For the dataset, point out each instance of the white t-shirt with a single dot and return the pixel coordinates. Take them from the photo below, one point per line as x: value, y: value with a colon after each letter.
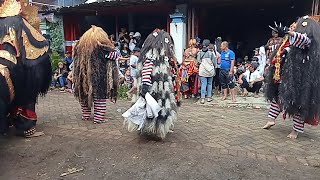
x: 250, y: 77
x: 132, y: 44
x: 133, y: 61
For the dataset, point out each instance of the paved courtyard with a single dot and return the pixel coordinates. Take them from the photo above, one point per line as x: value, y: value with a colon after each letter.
x: 234, y: 130
x: 219, y: 128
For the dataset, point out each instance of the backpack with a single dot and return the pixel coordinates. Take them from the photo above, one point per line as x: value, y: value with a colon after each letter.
x: 206, y: 68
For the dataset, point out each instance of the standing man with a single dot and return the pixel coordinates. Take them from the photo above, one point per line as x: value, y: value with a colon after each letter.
x: 227, y: 71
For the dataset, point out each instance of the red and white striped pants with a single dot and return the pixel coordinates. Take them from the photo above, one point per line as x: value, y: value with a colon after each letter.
x: 99, y: 110
x: 274, y: 111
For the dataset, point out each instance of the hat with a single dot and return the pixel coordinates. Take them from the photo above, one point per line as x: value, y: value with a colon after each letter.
x: 206, y: 42
x: 137, y: 34
x: 131, y: 33
x: 136, y: 49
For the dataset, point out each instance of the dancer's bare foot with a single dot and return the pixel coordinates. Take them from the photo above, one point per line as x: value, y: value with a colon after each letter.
x: 36, y: 134
x: 234, y: 99
x: 293, y: 135
x: 269, y: 125
x: 223, y: 98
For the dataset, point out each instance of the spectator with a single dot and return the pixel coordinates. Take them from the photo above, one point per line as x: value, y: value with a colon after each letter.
x: 125, y: 52
x: 60, y: 76
x: 251, y: 81
x: 189, y: 71
x: 68, y: 60
x: 70, y: 82
x: 71, y: 66
x: 138, y: 40
x: 216, y: 82
x: 123, y: 60
x: 133, y: 69
x: 208, y: 63
x: 198, y: 45
x: 121, y: 78
x: 124, y: 36
x: 128, y: 79
x: 226, y: 71
x: 132, y: 43
x: 217, y: 43
x: 273, y: 43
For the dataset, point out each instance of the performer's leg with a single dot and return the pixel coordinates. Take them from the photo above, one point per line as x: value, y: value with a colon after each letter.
x: 274, y: 112
x: 86, y: 111
x: 298, y: 127
x: 25, y: 120
x: 100, y: 109
x: 4, y: 123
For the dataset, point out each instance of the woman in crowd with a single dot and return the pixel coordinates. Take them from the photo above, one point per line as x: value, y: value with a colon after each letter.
x: 189, y: 71
x: 208, y: 63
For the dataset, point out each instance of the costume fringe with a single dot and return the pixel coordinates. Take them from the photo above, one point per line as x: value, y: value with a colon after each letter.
x: 94, y: 74
x: 158, y: 47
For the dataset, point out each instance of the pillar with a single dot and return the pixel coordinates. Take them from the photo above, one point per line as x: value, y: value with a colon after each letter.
x: 178, y: 31
x: 131, y: 22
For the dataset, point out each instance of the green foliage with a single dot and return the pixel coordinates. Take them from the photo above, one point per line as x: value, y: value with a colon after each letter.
x: 122, y: 92
x: 55, y: 59
x: 56, y: 34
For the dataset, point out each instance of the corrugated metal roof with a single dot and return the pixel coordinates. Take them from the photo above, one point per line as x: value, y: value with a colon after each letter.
x: 100, y: 5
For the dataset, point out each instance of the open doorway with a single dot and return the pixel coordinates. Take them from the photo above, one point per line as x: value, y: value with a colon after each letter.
x: 246, y: 24
x: 144, y: 23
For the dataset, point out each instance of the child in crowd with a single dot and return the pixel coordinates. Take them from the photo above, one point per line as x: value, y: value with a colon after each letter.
x: 128, y: 79
x: 60, y: 76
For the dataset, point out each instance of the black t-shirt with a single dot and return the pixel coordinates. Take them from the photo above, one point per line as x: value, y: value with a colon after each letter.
x: 139, y: 43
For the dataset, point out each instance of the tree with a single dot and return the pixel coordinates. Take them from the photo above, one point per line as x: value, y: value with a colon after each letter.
x: 56, y: 34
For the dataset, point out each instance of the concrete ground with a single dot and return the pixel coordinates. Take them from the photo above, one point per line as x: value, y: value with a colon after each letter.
x: 218, y: 140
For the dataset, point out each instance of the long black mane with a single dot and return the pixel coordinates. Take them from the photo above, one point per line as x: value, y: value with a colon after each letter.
x: 299, y: 89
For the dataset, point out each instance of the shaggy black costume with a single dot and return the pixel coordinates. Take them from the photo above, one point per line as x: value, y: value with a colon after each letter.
x: 300, y: 86
x: 298, y: 91
x: 26, y: 72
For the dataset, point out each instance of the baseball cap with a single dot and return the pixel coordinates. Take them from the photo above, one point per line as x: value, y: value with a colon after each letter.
x: 131, y: 33
x: 137, y: 34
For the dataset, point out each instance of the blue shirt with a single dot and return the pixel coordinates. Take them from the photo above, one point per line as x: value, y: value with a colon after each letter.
x: 68, y: 60
x: 226, y: 58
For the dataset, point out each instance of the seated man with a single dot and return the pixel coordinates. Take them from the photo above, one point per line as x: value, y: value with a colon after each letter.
x: 251, y: 81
